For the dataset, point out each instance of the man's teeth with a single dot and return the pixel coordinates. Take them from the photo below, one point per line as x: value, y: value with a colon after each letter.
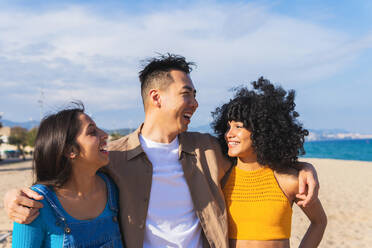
x: 187, y: 115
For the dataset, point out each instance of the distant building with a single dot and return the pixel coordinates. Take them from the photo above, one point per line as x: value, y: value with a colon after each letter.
x: 8, y: 151
x: 4, y: 134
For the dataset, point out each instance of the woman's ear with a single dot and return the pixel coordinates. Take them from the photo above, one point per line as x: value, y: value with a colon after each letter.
x: 71, y: 153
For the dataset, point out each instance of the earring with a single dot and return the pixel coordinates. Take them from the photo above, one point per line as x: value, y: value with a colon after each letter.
x: 73, y: 156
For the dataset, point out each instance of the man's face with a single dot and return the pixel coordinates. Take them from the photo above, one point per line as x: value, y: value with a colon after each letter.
x: 178, y: 102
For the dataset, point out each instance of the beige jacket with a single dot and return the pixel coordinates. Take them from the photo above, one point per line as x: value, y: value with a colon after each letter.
x: 203, y: 165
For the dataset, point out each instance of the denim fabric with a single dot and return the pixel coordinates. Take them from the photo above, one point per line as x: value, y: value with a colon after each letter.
x: 62, y: 230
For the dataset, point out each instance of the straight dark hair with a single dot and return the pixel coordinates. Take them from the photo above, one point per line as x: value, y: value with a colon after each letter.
x: 56, y: 137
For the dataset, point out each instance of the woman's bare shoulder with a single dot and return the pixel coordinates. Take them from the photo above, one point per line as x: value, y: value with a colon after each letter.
x: 288, y: 182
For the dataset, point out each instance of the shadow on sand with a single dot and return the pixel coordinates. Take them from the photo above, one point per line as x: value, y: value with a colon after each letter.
x: 20, y: 162
x: 16, y: 169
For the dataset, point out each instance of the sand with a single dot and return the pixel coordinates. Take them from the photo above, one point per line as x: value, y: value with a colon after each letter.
x: 345, y: 192
x: 12, y: 175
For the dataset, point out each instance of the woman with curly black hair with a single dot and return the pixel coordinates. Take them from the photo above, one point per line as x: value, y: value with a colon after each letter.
x: 259, y: 132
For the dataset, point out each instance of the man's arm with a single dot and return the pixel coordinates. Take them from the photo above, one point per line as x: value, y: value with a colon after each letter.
x: 20, y: 205
x: 308, y: 184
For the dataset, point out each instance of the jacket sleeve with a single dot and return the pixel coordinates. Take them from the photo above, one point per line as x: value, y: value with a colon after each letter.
x: 223, y: 163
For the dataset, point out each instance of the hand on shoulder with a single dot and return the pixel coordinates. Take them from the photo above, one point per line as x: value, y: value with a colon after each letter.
x: 21, y: 205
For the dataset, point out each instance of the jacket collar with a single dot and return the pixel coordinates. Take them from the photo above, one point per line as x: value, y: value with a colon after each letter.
x: 134, y: 147
x: 186, y: 145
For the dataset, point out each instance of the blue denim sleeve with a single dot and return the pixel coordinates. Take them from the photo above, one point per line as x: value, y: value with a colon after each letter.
x: 30, y: 235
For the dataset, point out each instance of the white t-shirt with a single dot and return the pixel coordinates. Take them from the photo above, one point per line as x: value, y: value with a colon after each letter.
x: 171, y: 220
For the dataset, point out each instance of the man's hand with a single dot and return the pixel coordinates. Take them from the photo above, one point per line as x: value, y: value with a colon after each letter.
x: 308, y: 184
x: 20, y: 207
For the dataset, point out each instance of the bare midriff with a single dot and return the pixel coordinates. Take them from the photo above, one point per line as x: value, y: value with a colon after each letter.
x: 282, y: 243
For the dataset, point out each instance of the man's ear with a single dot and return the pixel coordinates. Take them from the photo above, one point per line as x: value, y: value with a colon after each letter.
x: 154, y: 98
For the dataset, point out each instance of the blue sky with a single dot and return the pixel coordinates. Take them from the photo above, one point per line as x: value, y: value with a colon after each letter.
x: 91, y: 51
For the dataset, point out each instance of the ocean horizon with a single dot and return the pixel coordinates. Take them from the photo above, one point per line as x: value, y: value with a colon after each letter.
x: 360, y: 150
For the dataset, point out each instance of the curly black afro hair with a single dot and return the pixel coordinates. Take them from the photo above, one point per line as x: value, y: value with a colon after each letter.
x: 268, y: 113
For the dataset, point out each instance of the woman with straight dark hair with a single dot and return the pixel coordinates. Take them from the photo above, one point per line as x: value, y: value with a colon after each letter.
x: 80, y: 203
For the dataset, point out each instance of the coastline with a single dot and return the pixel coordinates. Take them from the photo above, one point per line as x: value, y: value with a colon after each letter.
x: 344, y: 149
x: 345, y: 187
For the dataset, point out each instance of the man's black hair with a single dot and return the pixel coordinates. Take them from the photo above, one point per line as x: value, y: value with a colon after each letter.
x: 156, y: 71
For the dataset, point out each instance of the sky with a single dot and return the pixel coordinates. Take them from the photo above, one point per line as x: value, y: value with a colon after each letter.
x: 58, y: 51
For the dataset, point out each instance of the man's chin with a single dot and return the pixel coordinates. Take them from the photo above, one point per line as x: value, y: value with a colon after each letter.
x: 184, y: 128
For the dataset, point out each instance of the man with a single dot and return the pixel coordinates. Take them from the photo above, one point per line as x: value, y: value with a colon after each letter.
x: 169, y: 179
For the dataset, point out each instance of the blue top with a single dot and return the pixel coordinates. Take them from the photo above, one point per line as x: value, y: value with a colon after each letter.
x: 54, y: 227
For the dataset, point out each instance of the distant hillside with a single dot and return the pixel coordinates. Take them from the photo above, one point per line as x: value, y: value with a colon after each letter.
x: 202, y: 129
x: 27, y: 124
x: 314, y: 134
x: 120, y: 131
x: 335, y: 134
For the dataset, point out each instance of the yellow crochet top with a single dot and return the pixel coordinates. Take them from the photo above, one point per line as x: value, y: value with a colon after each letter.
x: 257, y: 207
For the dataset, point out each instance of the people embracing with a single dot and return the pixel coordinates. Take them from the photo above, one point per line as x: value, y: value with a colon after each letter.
x: 258, y: 130
x: 80, y: 203
x: 168, y: 178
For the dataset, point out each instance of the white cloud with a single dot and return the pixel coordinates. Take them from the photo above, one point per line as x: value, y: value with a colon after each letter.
x: 75, y: 52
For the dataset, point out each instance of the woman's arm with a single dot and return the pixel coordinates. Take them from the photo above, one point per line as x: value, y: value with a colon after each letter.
x: 318, y: 218
x: 28, y: 235
x: 289, y: 182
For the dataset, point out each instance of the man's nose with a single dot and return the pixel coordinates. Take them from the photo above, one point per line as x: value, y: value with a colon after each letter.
x: 195, y: 103
x: 104, y: 135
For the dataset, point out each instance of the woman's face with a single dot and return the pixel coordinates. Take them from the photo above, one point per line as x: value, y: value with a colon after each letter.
x: 92, y: 142
x: 238, y: 140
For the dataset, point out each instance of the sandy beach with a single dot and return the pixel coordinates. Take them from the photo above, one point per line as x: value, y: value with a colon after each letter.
x: 346, y: 189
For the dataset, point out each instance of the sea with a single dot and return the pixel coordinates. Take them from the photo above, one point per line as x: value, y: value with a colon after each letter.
x: 340, y: 149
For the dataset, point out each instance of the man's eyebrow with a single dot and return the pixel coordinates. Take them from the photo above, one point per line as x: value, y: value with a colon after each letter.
x: 189, y: 88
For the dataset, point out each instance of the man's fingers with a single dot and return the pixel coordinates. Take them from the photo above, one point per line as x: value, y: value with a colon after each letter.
x: 21, y: 219
x: 301, y: 196
x: 33, y: 216
x: 25, y: 211
x: 300, y: 199
x: 301, y: 186
x: 27, y: 202
x: 20, y: 207
x: 312, y: 193
x: 31, y: 194
x: 300, y: 203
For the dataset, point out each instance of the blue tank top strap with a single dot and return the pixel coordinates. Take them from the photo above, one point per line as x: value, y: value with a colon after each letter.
x: 49, y: 196
x: 112, y: 192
